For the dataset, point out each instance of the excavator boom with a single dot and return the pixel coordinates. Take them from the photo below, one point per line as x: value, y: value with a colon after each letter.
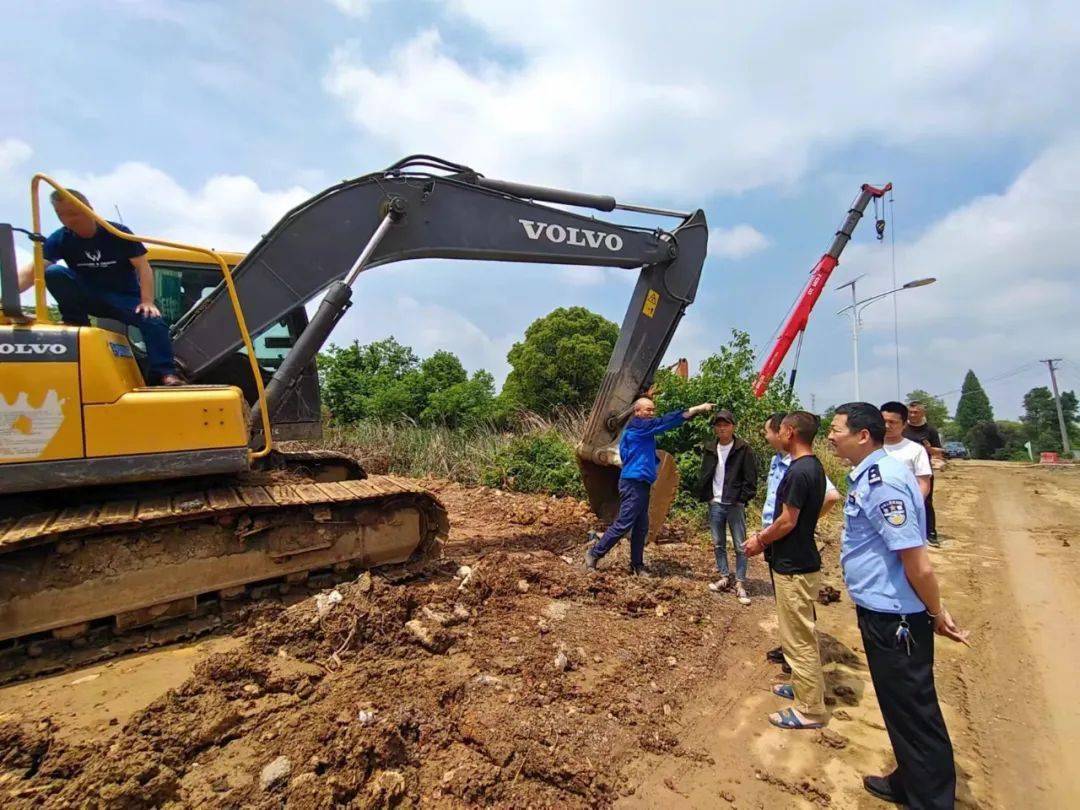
x: 424, y: 207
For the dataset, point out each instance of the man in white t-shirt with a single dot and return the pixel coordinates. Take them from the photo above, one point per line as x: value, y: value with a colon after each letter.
x: 913, y: 455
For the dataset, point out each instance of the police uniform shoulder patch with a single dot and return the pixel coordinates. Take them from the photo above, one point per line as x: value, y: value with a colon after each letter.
x: 873, y: 475
x: 894, y: 512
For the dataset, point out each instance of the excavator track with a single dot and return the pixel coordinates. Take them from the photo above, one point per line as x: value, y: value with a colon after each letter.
x: 124, y: 571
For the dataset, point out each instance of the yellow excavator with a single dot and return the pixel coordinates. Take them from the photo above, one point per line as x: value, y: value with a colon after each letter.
x: 123, y: 505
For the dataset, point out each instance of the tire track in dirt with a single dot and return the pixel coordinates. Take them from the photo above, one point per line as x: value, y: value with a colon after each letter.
x: 1029, y: 720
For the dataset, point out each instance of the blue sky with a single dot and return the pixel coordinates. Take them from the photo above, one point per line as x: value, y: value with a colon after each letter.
x: 206, y: 121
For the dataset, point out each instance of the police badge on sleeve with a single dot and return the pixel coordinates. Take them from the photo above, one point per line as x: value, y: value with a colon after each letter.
x: 894, y: 512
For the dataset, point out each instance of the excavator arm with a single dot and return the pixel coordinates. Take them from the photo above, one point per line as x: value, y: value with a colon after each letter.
x: 423, y: 207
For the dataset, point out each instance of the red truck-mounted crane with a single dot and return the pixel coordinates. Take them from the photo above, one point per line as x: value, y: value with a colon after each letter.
x: 795, y: 325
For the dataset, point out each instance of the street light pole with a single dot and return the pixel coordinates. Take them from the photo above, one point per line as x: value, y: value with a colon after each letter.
x: 856, y: 308
x: 854, y: 330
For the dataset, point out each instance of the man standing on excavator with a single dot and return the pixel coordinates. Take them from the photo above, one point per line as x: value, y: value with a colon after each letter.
x: 637, y: 449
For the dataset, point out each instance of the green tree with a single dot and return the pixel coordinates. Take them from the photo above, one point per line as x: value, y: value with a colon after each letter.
x: 442, y: 370
x: 386, y: 382
x: 1013, y: 435
x: 984, y: 439
x: 725, y: 378
x: 826, y: 421
x: 351, y: 376
x: 974, y: 405
x: 464, y: 403
x: 561, y: 361
x: 1041, y: 423
x: 937, y: 414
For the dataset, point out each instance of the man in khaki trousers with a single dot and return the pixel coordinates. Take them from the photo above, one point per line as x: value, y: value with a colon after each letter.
x: 793, y: 556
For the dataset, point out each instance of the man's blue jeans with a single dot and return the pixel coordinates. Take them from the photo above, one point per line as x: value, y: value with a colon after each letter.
x: 728, y: 516
x: 78, y: 299
x: 633, y: 517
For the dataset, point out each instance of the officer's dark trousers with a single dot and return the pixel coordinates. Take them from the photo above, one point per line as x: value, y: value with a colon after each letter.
x: 925, y: 773
x: 633, y: 518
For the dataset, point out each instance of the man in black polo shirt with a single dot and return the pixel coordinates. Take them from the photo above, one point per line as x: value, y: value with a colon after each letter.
x: 795, y: 562
x: 104, y: 276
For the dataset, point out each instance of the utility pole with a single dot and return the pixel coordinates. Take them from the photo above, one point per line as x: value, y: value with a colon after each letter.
x: 1057, y: 402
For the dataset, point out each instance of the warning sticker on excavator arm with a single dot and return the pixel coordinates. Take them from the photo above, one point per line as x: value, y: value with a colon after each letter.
x: 652, y: 298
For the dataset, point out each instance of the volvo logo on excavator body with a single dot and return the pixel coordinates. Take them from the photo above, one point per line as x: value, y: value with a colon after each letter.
x: 580, y: 237
x: 33, y: 348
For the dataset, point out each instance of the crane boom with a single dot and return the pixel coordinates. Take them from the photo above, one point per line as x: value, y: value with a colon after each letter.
x: 800, y: 313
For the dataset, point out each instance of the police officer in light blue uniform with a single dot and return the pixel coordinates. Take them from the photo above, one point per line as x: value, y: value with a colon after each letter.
x: 884, y: 508
x: 889, y: 577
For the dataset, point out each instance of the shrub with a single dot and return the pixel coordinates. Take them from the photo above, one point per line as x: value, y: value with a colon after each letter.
x: 536, y: 462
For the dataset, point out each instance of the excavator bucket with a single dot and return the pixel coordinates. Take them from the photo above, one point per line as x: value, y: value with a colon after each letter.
x: 664, y: 490
x: 602, y: 485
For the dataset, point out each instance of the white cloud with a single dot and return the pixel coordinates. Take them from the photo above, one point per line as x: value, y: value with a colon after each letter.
x: 228, y: 212
x: 13, y: 152
x: 721, y: 98
x: 736, y: 242
x: 353, y: 8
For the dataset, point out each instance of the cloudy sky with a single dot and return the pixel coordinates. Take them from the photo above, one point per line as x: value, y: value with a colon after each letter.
x: 206, y: 120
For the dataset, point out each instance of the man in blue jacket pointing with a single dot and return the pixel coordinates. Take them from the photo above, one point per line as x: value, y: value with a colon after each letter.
x: 637, y: 449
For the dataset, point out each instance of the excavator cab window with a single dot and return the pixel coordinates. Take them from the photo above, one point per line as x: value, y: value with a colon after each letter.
x: 178, y: 286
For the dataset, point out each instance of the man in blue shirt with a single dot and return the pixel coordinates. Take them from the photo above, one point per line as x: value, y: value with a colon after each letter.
x: 889, y: 577
x: 637, y: 450
x: 104, y: 276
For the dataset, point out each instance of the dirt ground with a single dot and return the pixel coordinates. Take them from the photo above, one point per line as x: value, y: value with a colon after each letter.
x: 522, y: 680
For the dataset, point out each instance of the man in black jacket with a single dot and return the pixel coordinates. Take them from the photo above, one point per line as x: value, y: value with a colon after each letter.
x: 922, y: 432
x: 727, y: 482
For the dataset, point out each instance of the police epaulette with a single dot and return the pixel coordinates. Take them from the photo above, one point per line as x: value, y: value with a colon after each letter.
x: 873, y: 475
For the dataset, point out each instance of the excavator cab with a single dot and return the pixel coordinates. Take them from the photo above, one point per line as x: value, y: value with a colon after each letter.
x: 76, y: 410
x: 183, y: 278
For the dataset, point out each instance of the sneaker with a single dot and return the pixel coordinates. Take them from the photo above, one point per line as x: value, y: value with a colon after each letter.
x: 933, y: 541
x: 740, y: 592
x: 643, y: 571
x: 721, y: 584
x: 775, y: 655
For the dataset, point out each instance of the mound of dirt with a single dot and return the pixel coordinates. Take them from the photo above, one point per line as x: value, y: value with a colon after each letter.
x: 505, y: 674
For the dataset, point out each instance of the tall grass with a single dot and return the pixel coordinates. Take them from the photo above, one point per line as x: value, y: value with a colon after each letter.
x: 535, y: 456
x: 464, y: 454
x: 412, y: 450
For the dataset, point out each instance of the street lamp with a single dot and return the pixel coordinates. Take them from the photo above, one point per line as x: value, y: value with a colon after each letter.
x: 856, y: 307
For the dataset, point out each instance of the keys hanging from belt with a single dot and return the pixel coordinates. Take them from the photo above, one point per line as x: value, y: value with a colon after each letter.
x: 903, y: 635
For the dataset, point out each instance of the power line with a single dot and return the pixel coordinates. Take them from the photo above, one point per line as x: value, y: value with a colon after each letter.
x: 1028, y: 366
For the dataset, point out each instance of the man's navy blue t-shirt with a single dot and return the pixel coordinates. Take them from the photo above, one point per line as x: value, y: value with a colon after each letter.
x: 102, y: 261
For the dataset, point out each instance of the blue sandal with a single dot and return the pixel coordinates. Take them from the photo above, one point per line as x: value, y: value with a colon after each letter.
x: 788, y: 719
x: 784, y: 690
